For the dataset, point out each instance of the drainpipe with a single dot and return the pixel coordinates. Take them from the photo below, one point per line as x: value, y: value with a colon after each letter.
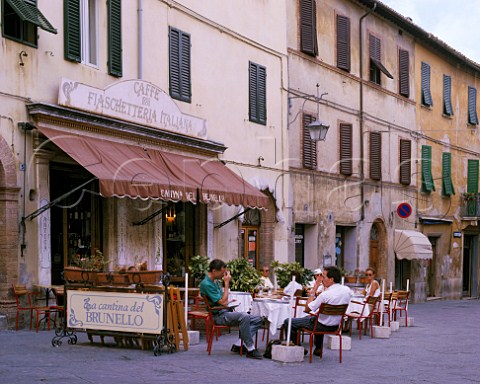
x: 362, y: 162
x: 140, y: 37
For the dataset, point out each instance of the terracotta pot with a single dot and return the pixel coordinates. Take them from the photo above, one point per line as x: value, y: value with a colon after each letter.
x: 75, y: 274
x: 145, y: 277
x: 351, y: 279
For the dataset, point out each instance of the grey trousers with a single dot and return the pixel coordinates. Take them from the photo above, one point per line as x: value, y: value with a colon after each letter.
x: 307, y: 322
x: 248, y: 324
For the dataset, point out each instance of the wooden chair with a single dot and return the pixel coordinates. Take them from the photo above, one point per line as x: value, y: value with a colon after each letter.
x: 328, y: 310
x: 400, y: 305
x: 365, y: 315
x: 25, y: 299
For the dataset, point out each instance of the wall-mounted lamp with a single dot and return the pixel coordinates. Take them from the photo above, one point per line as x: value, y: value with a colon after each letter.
x: 170, y: 216
x: 21, y: 55
x: 317, y: 129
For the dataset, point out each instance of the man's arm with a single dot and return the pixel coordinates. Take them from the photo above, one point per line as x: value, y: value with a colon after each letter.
x: 311, y: 296
x: 226, y: 281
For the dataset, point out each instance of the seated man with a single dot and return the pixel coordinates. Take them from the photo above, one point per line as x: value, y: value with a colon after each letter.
x: 335, y: 294
x: 249, y: 325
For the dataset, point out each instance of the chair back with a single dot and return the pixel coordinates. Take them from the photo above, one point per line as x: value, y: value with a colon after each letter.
x: 20, y: 291
x: 332, y: 310
x: 371, y: 302
x: 402, y: 299
x: 300, y: 305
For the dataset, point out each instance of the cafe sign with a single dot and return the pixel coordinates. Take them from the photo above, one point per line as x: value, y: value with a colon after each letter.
x: 115, y: 311
x: 137, y: 101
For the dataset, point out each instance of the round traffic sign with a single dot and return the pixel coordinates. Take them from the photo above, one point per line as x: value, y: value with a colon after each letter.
x: 404, y: 210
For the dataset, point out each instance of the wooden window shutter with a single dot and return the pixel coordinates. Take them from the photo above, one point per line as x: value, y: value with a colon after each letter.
x: 427, y: 179
x: 257, y: 95
x: 309, y: 145
x: 405, y: 161
x: 447, y: 95
x: 343, y: 43
x: 472, y: 176
x: 404, y: 77
x: 308, y: 27
x: 447, y: 185
x: 115, y: 37
x: 375, y: 155
x: 375, y: 48
x: 472, y: 106
x: 346, y: 166
x: 426, y: 95
x: 179, y: 61
x: 71, y: 25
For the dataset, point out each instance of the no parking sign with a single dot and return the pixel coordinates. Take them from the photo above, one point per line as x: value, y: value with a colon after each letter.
x: 404, y: 210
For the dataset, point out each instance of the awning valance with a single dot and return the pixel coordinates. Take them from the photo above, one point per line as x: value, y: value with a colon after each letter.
x: 126, y: 170
x: 412, y: 245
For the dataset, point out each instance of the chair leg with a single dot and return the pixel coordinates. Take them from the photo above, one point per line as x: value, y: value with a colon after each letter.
x: 340, y: 337
x: 311, y: 347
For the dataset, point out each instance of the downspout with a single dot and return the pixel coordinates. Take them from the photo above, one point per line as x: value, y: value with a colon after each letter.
x: 362, y: 162
x: 140, y: 38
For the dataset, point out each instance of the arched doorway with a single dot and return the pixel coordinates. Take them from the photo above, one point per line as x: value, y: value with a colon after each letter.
x: 378, y: 251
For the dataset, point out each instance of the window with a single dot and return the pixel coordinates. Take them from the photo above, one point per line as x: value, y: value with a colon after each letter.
x: 115, y: 37
x: 447, y: 95
x: 426, y: 95
x: 180, y: 82
x: 257, y: 93
x: 427, y: 179
x: 472, y: 176
x: 20, y: 19
x: 375, y: 155
x: 308, y: 27
x: 343, y: 43
x: 403, y: 76
x: 376, y: 66
x: 472, y: 106
x: 81, y: 31
x: 405, y: 161
x: 309, y: 145
x: 447, y: 185
x: 346, y: 166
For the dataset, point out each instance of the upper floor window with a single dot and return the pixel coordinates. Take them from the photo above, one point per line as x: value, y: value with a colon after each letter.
x: 309, y: 145
x: 115, y: 37
x: 427, y: 179
x: 257, y: 93
x: 472, y: 106
x: 346, y: 149
x: 180, y: 81
x: 308, y: 27
x: 447, y: 184
x: 375, y: 155
x: 426, y: 95
x: 405, y: 162
x: 376, y: 66
x: 20, y: 19
x: 343, y: 43
x: 404, y: 73
x: 447, y: 95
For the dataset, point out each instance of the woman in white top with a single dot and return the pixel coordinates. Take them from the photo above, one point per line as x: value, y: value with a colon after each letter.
x: 372, y: 288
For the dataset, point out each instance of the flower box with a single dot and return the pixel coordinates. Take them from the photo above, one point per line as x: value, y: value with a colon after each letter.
x: 78, y: 275
x: 145, y: 277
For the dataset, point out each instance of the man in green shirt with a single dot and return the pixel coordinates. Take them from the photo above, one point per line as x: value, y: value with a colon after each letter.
x: 210, y: 287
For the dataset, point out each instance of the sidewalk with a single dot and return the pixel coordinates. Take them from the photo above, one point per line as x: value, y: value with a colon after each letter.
x: 442, y: 347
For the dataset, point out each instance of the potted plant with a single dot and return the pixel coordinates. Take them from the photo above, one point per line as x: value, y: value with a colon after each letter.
x: 245, y: 278
x: 284, y: 271
x: 85, y: 268
x: 350, y: 277
x: 469, y: 196
x: 198, y: 267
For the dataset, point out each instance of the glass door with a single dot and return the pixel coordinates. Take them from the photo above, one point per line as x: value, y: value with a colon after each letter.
x: 249, y: 245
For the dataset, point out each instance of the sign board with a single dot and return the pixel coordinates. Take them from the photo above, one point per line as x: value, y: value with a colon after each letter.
x: 457, y: 234
x: 404, y: 210
x: 115, y: 311
x: 137, y: 101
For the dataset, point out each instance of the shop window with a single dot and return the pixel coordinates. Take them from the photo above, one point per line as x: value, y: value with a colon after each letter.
x: 180, y: 81
x: 250, y: 237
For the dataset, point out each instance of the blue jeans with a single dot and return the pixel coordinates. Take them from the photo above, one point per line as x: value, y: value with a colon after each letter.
x: 307, y: 322
x: 248, y: 324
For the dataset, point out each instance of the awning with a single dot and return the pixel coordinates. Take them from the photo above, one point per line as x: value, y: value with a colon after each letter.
x: 412, y: 245
x: 126, y: 170
x: 28, y: 11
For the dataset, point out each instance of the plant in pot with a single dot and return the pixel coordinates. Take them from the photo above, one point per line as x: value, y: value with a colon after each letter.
x: 283, y: 271
x: 198, y: 267
x: 245, y: 278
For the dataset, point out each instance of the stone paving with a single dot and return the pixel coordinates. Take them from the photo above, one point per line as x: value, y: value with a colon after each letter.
x: 443, y: 346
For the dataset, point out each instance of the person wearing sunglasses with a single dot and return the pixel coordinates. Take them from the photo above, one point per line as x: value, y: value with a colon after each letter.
x: 372, y: 288
x: 265, y: 279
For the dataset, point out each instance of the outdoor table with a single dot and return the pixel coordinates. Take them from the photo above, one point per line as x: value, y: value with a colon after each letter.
x: 243, y: 301
x: 274, y: 310
x: 47, y: 288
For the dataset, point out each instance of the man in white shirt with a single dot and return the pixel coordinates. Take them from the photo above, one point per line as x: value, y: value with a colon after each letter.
x: 335, y: 294
x: 265, y: 279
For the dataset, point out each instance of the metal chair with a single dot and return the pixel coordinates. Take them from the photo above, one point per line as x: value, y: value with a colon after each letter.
x: 400, y: 305
x: 24, y: 300
x: 366, y: 314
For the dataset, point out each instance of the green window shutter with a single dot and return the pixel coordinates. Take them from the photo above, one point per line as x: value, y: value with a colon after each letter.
x: 257, y: 93
x: 472, y: 106
x: 309, y: 145
x: 472, y: 176
x: 447, y: 95
x: 179, y: 60
x: 29, y: 12
x: 426, y: 95
x: 71, y: 25
x: 404, y: 77
x: 343, y: 43
x: 308, y: 27
x: 447, y: 185
x: 115, y: 37
x: 427, y: 179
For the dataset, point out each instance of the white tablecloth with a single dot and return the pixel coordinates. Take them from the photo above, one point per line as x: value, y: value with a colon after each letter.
x: 276, y: 311
x: 243, y: 299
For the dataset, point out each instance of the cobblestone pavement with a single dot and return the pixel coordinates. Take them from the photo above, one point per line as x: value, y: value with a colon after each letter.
x: 443, y: 346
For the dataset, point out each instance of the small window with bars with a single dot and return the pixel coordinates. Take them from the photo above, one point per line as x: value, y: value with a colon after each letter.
x: 405, y: 162
x: 346, y: 163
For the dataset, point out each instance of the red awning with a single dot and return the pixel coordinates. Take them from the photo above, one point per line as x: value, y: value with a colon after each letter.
x: 126, y: 170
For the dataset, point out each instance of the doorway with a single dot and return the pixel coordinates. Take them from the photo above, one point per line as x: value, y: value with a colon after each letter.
x: 470, y: 266
x: 431, y: 292
x: 250, y: 237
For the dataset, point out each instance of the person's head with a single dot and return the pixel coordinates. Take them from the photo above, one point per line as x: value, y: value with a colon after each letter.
x: 132, y: 268
x: 317, y: 272
x: 265, y: 271
x: 297, y: 276
x: 331, y: 275
x: 217, y: 268
x: 370, y: 273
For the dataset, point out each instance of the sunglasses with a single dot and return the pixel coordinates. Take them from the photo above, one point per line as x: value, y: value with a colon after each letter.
x: 266, y: 270
x: 369, y: 274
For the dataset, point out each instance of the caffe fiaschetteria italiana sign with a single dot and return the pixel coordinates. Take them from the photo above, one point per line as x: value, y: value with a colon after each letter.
x: 137, y: 101
x: 115, y: 311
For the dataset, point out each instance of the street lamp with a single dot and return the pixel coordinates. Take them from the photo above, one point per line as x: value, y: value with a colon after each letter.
x: 317, y: 129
